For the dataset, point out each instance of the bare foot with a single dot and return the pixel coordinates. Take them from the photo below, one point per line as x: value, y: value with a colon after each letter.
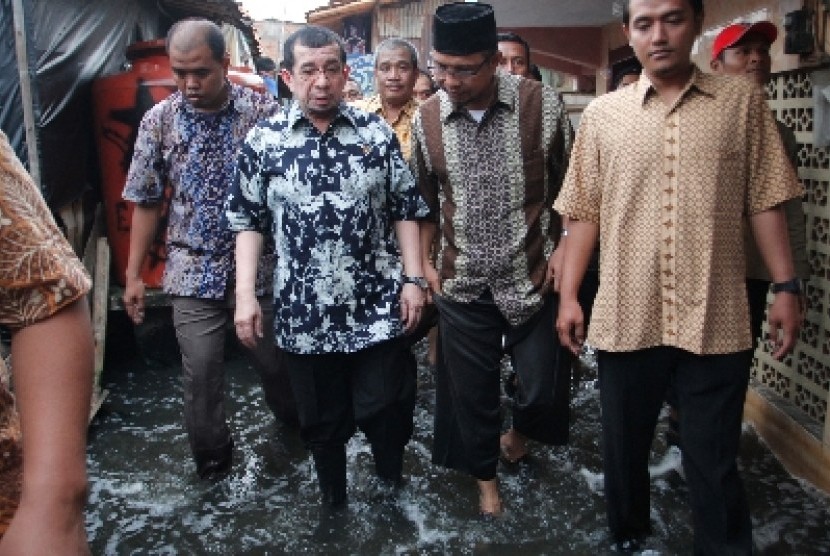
x: 513, y: 446
x: 489, y: 501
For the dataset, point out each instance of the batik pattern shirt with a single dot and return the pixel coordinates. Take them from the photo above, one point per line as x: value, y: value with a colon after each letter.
x: 330, y: 200
x: 796, y: 224
x: 669, y: 187
x: 195, y: 154
x: 39, y: 272
x: 402, y: 125
x: 490, y: 187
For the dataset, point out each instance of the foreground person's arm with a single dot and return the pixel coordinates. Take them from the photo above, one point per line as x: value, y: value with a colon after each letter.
x: 570, y: 320
x: 52, y: 366
x: 769, y: 228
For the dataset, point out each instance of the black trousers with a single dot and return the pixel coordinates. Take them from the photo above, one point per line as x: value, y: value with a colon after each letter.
x: 710, y: 391
x: 756, y: 292
x: 472, y: 340
x: 373, y: 389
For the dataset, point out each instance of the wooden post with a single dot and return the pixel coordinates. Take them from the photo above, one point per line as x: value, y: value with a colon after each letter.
x: 100, y: 309
x: 97, y: 262
x: 21, y: 48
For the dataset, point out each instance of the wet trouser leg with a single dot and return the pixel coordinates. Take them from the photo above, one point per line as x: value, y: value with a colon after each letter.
x: 267, y: 359
x: 374, y: 388
x: 632, y: 388
x: 469, y: 369
x: 200, y: 329
x: 710, y: 393
x: 384, y: 392
x: 542, y: 401
x: 322, y: 389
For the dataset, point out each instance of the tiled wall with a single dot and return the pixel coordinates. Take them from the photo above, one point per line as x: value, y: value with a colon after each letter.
x: 804, y: 377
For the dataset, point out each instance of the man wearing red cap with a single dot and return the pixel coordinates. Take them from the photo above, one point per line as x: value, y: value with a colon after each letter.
x: 743, y: 49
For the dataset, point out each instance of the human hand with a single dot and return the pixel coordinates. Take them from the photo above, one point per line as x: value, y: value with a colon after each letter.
x: 784, y: 320
x: 134, y: 299
x: 570, y: 325
x: 247, y: 320
x: 433, y: 279
x: 554, y: 273
x: 412, y: 304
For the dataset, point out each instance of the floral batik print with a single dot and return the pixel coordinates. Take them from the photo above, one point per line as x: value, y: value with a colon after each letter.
x: 330, y: 200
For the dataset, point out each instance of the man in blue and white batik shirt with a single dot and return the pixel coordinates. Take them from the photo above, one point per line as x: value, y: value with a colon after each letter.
x: 329, y: 183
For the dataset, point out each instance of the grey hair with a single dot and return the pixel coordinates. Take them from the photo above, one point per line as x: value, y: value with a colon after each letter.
x: 396, y: 44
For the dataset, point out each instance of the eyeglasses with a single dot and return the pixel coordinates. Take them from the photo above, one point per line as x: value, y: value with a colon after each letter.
x: 309, y: 73
x: 459, y: 72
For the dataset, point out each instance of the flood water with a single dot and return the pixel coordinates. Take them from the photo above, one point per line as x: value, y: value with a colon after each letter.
x: 145, y: 497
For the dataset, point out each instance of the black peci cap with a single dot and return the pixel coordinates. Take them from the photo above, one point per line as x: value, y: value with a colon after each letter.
x: 464, y: 28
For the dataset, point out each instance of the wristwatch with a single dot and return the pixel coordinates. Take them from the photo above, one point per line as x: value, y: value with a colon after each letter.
x: 419, y: 281
x: 790, y: 286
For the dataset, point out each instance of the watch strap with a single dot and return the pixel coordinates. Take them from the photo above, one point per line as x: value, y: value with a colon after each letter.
x: 419, y: 281
x: 790, y: 286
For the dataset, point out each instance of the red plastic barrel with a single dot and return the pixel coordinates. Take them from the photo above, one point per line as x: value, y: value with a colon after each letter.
x: 120, y: 101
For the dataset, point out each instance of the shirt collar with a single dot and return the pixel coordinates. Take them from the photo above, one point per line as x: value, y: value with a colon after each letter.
x: 233, y: 93
x: 698, y: 81
x: 507, y: 95
x: 344, y: 111
x: 374, y: 105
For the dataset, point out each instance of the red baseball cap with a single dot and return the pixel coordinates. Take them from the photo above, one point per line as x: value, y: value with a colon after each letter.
x: 733, y: 33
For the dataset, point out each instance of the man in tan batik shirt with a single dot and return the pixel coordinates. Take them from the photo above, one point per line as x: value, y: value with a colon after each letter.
x: 663, y: 171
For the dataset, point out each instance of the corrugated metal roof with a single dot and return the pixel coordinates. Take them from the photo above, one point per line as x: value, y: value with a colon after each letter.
x: 220, y: 11
x: 342, y: 8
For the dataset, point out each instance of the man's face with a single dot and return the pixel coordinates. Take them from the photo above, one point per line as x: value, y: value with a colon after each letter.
x: 749, y: 57
x: 316, y: 81
x: 200, y: 77
x: 395, y: 74
x: 423, y: 88
x: 514, y: 58
x: 662, y: 33
x: 351, y: 91
x: 468, y: 80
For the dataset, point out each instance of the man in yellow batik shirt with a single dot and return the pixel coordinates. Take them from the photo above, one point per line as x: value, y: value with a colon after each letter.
x: 396, y: 70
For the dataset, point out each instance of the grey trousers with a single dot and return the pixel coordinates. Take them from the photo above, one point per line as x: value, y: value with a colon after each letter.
x: 201, y: 326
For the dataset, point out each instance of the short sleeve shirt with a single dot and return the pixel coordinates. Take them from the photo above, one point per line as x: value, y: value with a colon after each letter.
x: 669, y: 187
x: 39, y: 272
x: 330, y: 201
x: 194, y: 153
x: 402, y: 126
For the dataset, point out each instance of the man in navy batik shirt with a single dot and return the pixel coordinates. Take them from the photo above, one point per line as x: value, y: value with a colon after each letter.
x: 189, y: 142
x: 330, y: 184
